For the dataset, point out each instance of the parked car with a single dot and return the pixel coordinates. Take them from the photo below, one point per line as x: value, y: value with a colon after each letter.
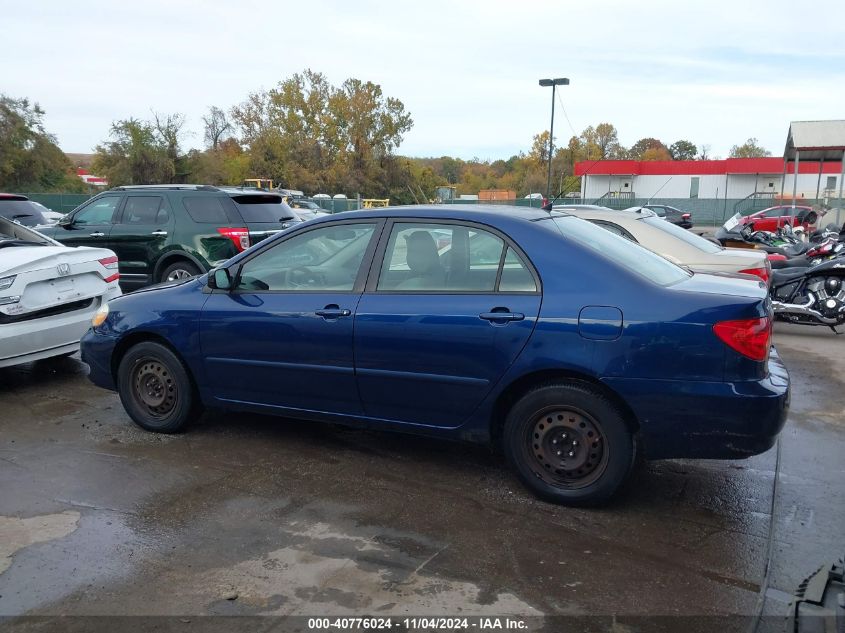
x: 48, y: 293
x: 679, y: 245
x: 773, y: 218
x: 671, y: 214
x: 574, y: 352
x: 167, y: 232
x: 306, y: 209
x: 21, y: 210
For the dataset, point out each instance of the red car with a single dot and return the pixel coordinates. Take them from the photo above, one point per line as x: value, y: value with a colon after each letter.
x: 773, y: 218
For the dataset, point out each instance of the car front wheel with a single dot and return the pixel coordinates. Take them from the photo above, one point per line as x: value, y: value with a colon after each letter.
x: 569, y: 444
x: 155, y: 388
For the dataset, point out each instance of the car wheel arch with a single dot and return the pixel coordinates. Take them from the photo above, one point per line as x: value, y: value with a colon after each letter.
x: 130, y: 340
x: 174, y: 256
x: 522, y: 385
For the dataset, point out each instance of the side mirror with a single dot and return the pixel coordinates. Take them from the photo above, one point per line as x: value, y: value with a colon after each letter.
x: 65, y: 221
x: 220, y: 279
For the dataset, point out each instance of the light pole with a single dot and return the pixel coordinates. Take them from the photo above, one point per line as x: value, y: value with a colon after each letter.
x: 545, y: 83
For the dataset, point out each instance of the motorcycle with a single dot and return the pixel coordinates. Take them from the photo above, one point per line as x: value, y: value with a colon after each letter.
x: 811, y: 296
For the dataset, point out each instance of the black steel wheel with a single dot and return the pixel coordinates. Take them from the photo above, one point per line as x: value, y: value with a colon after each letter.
x: 155, y: 388
x: 569, y: 443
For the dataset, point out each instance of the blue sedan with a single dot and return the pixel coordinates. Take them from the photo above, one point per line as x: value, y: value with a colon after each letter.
x: 570, y: 348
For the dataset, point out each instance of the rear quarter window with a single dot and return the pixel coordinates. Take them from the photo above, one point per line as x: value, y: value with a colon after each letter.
x: 620, y: 250
x: 205, y: 209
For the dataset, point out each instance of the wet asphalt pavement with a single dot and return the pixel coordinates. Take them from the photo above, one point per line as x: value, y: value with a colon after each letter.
x: 246, y: 514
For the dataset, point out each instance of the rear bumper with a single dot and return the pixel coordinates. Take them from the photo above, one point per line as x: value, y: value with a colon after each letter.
x: 710, y: 420
x: 96, y: 352
x: 27, y: 341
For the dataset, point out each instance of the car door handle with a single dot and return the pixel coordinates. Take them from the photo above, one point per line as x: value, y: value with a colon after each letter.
x: 501, y: 316
x: 159, y: 233
x: 97, y: 234
x: 333, y: 312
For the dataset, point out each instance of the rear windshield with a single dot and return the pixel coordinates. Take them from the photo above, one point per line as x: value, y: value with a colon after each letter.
x: 688, y: 236
x: 620, y: 250
x: 259, y: 208
x: 21, y: 211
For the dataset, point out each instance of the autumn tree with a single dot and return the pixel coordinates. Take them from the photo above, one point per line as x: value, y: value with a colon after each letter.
x: 642, y: 146
x: 30, y: 159
x: 683, y: 150
x: 140, y: 152
x: 750, y: 149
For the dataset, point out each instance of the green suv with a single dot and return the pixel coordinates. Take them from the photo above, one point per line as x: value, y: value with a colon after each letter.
x: 168, y: 232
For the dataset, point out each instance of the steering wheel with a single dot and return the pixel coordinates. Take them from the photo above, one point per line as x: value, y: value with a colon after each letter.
x: 303, y: 277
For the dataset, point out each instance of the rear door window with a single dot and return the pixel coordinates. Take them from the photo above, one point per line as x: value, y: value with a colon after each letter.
x: 144, y: 210
x: 260, y: 208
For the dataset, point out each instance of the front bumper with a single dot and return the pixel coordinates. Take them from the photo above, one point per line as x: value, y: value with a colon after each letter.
x: 96, y: 351
x: 709, y: 420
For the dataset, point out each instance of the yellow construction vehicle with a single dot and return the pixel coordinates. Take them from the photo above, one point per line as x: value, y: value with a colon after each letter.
x: 375, y: 203
x: 258, y: 183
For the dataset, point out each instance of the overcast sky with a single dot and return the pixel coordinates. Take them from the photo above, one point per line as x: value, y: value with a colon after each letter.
x: 713, y: 72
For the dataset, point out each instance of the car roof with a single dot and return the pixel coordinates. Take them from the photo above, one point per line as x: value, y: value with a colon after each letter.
x: 471, y: 212
x: 613, y: 216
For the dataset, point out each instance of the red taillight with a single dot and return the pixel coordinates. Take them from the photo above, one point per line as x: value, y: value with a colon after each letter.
x: 762, y: 272
x: 750, y: 337
x: 685, y: 216
x: 776, y: 257
x: 110, y: 263
x: 239, y: 237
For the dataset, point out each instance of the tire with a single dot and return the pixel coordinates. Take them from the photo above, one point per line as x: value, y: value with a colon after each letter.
x: 155, y: 388
x: 182, y: 269
x: 558, y: 415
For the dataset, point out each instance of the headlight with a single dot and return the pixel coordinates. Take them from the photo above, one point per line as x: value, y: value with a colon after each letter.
x: 101, y: 315
x: 6, y: 282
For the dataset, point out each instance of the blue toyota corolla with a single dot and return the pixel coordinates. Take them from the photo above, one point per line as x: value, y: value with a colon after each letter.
x: 571, y: 348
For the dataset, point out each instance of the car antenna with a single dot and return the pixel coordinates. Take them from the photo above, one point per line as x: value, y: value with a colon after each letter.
x: 550, y: 204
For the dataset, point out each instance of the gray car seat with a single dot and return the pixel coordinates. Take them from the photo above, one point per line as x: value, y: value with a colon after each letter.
x: 424, y: 263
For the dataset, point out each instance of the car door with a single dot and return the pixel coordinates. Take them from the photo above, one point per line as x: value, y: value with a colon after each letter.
x: 448, y: 308
x: 282, y: 336
x: 140, y: 234
x: 90, y: 225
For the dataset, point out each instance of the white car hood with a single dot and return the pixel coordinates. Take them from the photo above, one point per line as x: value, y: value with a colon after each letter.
x: 18, y: 259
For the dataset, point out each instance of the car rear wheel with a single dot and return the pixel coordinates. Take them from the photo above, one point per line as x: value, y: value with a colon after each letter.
x: 179, y: 270
x: 569, y: 444
x: 155, y: 388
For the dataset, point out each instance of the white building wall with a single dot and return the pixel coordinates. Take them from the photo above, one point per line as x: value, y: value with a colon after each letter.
x: 709, y: 186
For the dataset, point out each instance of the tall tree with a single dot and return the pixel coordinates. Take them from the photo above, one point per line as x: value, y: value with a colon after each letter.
x: 750, y: 149
x: 216, y: 125
x: 643, y: 145
x: 140, y: 152
x: 30, y: 159
x: 683, y: 150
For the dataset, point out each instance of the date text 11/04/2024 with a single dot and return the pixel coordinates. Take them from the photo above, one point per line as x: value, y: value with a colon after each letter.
x: 419, y: 623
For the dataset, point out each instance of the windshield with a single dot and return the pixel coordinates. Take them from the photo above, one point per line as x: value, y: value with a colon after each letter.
x: 21, y: 211
x: 258, y: 208
x: 621, y: 251
x: 687, y: 236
